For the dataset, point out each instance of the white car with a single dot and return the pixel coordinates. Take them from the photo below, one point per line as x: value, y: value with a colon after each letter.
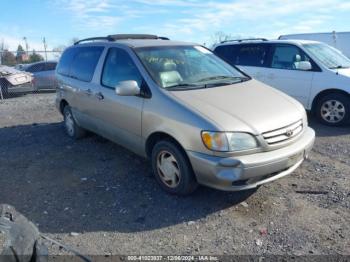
x: 314, y: 73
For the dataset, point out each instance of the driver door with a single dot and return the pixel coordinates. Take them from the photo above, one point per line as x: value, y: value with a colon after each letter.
x: 120, y: 116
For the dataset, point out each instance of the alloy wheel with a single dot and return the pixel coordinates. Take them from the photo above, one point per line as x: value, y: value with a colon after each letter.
x: 333, y: 111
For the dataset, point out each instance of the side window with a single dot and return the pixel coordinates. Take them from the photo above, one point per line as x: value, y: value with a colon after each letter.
x: 227, y: 53
x: 64, y: 65
x: 119, y: 67
x: 288, y: 57
x: 50, y: 66
x: 252, y: 55
x: 84, y: 63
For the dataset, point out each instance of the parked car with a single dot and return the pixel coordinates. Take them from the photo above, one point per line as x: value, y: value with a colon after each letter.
x: 43, y: 74
x: 338, y: 40
x: 198, y: 119
x: 315, y: 74
x: 12, y: 80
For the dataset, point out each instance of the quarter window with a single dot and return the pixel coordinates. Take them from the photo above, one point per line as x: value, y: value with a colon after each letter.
x: 251, y: 55
x: 65, y: 63
x: 119, y: 67
x: 84, y: 63
x: 288, y: 57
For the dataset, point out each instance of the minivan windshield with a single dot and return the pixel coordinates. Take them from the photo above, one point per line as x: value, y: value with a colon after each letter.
x: 328, y: 56
x: 187, y: 67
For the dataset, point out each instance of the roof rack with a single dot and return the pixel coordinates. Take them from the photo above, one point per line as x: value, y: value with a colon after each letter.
x: 116, y: 37
x: 241, y: 40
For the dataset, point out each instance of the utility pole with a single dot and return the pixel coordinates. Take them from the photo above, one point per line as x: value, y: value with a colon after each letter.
x: 45, y: 46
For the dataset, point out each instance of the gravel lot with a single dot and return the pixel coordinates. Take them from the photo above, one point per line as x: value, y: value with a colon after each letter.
x: 108, y: 196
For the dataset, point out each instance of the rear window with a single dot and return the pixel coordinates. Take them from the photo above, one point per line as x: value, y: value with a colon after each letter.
x: 36, y: 68
x: 80, y: 63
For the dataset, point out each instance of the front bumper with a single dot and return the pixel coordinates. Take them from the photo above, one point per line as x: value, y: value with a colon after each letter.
x: 250, y: 171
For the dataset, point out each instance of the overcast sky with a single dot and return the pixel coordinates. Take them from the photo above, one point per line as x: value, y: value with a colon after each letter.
x: 61, y: 20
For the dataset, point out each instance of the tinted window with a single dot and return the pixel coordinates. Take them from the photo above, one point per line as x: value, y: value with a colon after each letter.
x: 119, y: 67
x: 50, y: 66
x: 36, y: 68
x: 227, y: 52
x: 251, y: 55
x: 288, y: 57
x: 64, y: 65
x: 84, y: 63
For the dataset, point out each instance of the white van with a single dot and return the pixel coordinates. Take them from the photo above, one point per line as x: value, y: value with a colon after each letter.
x: 338, y: 40
x: 314, y: 73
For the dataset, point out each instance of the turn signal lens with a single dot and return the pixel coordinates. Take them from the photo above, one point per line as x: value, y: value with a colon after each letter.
x: 216, y: 141
x: 228, y: 141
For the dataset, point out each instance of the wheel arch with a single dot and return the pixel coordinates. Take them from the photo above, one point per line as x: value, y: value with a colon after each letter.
x: 324, y: 93
x: 153, y: 138
x: 63, y: 104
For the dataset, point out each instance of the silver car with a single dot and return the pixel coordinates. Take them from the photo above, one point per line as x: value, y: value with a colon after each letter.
x: 198, y: 119
x: 43, y: 74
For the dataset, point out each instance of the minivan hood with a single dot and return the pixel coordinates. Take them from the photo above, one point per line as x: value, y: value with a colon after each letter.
x: 250, y: 106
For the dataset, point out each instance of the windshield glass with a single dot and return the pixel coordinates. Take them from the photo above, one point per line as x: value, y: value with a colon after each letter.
x: 330, y: 57
x: 187, y: 67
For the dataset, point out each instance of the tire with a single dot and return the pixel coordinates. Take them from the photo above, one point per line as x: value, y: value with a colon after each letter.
x: 172, y: 159
x: 333, y: 109
x: 72, y: 128
x: 4, y: 90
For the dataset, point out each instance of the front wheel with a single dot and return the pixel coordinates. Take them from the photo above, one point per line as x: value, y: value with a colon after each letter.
x: 334, y: 109
x: 172, y: 169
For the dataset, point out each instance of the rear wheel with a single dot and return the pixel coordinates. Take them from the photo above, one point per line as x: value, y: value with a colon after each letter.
x: 72, y: 128
x: 172, y: 169
x: 333, y: 109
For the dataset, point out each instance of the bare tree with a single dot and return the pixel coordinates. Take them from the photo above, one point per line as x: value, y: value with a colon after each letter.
x: 220, y: 36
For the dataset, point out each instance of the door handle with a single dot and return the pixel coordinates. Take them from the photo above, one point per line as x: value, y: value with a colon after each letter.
x: 99, y: 96
x: 88, y: 92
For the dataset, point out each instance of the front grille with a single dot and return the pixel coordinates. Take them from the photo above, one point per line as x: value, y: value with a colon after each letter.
x: 284, y: 133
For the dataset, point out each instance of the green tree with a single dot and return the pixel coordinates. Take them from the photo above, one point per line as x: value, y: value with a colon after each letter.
x: 8, y: 58
x: 20, y: 53
x: 35, y: 57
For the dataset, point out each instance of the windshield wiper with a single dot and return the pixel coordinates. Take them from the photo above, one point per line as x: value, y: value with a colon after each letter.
x: 338, y: 67
x: 185, y: 86
x: 217, y: 78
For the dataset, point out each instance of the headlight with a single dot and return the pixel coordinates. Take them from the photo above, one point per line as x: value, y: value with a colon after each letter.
x: 228, y: 141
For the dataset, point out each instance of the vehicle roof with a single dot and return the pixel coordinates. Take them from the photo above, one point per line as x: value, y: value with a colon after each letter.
x: 136, y: 43
x: 287, y: 41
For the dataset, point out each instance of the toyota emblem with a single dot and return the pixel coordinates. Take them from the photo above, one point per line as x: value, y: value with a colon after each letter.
x: 289, y: 133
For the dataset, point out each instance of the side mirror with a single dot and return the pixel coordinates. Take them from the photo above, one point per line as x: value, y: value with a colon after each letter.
x: 304, y: 65
x: 127, y: 88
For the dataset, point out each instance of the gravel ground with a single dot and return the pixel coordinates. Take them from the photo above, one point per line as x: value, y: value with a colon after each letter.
x: 102, y: 199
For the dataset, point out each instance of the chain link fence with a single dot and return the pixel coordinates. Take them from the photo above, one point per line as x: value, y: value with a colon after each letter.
x: 23, y: 73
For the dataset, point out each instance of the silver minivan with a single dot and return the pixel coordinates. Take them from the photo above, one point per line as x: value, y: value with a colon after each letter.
x: 198, y: 119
